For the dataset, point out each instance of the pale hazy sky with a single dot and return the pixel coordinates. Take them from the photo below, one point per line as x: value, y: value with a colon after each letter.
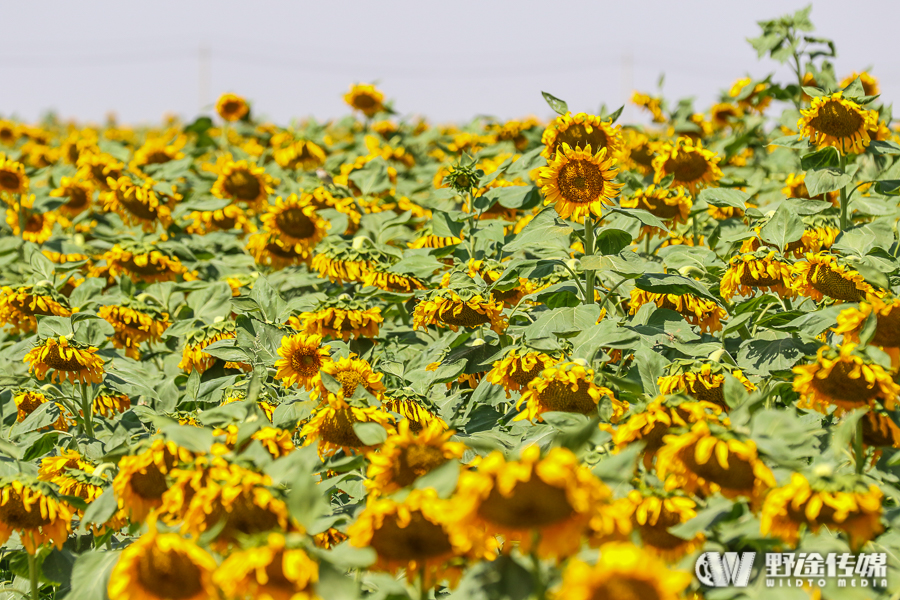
x: 447, y: 60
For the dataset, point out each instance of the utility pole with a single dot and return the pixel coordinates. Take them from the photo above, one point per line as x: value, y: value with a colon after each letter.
x: 204, y: 77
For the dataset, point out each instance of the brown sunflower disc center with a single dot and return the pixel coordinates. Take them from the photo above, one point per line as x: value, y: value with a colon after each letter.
x: 150, y: 485
x: 687, y: 167
x: 247, y: 518
x: 749, y: 280
x: 738, y: 476
x: 887, y: 330
x: 577, y: 136
x: 522, y: 377
x: 57, y: 361
x: 296, y: 224
x: 349, y: 380
x: 284, y: 252
x: 78, y: 198
x: 34, y: 223
x: 168, y: 574
x: 158, y: 157
x: 880, y: 431
x: 625, y: 588
x: 225, y: 222
x: 580, y: 182
x: 231, y: 107
x: 533, y: 503
x: 275, y: 573
x: 831, y: 284
x: 15, y: 516
x: 840, y: 386
x: 243, y: 185
x: 825, y: 516
x: 836, y: 120
x: 306, y: 362
x: 642, y: 155
x: 24, y: 306
x: 364, y: 101
x: 665, y: 211
x: 135, y: 206
x: 415, y: 461
x: 100, y: 173
x: 419, y: 540
x: 9, y: 181
x: 338, y: 430
x: 658, y: 535
x: 713, y: 394
x: 559, y: 396
x: 461, y: 314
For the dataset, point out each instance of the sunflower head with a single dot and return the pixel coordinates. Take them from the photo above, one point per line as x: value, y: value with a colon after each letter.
x: 702, y: 312
x: 838, y: 122
x: 578, y: 182
x: 579, y: 132
x: 824, y: 275
x: 27, y: 401
x: 302, y: 356
x: 275, y: 570
x: 141, y: 481
x: 12, y: 177
x: 20, y: 306
x: 671, y: 205
x: 693, y: 166
x: 759, y: 271
x: 704, y: 381
x: 518, y: 368
x: 340, y: 317
x: 241, y: 181
x: 301, y: 154
x: 568, y: 387
x: 33, y: 510
x: 97, y: 167
x: 332, y: 425
x: 38, y: 224
x: 232, y: 107
x: 652, y: 104
x: 416, y: 410
x: 351, y: 374
x: 449, y: 309
x: 725, y: 114
x: 295, y: 221
x: 134, y: 322
x: 193, y: 356
x: 67, y: 359
x: 149, y: 263
x: 78, y: 194
x: 869, y: 83
x: 750, y: 96
x: 138, y: 203
x: 365, y: 98
x: 851, y: 321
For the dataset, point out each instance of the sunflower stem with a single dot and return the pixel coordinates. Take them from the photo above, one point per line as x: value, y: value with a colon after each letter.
x: 540, y: 588
x: 858, y: 448
x: 33, y: 575
x: 87, y: 412
x: 845, y: 201
x: 588, y: 251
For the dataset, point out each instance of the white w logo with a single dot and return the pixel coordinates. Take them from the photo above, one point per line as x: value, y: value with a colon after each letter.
x: 713, y: 571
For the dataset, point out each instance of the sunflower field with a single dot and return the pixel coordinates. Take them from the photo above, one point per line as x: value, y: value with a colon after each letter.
x: 380, y: 358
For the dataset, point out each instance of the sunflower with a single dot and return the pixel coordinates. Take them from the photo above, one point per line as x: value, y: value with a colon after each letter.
x: 9, y: 132
x: 668, y: 204
x: 625, y: 572
x: 161, y: 566
x: 134, y: 323
x: 193, y: 356
x: 413, y: 408
x: 567, y: 387
x: 428, y: 240
x: 397, y: 156
x: 821, y: 275
x: 12, y: 176
x: 331, y: 425
x: 405, y: 456
x: 232, y: 107
x: 144, y: 263
x: 73, y: 475
x: 880, y: 430
x: 653, y: 513
x: 720, y: 213
x: 242, y: 181
x: 851, y: 321
x: 365, y: 98
x: 270, y: 572
x: 268, y: 249
x: 340, y: 318
x: 550, y: 500
x: 725, y: 114
x: 347, y: 206
x: 795, y: 187
x: 70, y: 360
x: 869, y: 83
x: 227, y: 218
x: 834, y: 121
x: 705, y: 314
x: 705, y: 384
x: 350, y: 373
x: 295, y: 221
x: 302, y: 154
x: 302, y: 357
x: 581, y: 132
x: 713, y: 461
x: 28, y: 401
x: 814, y: 239
x: 110, y: 404
x: 651, y: 104
x: 488, y: 272
x: 78, y: 194
x: 514, y: 131
x: 158, y: 151
x: 518, y: 368
x: 38, y: 225
x: 748, y: 273
x: 693, y: 166
x: 34, y: 511
x: 141, y: 480
x: 750, y: 98
x: 275, y: 441
x: 578, y: 182
x: 340, y: 262
x: 20, y: 307
x: 846, y: 378
x: 421, y: 535
x: 97, y: 167
x: 447, y: 309
x: 842, y: 503
x: 638, y: 152
x: 138, y: 204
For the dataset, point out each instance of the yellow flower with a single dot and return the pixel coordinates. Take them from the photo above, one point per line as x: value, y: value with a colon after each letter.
x: 748, y: 273
x: 295, y: 221
x: 412, y: 409
x: 351, y: 373
x: 142, y: 264
x: 33, y: 510
x: 302, y: 154
x: 12, y: 176
x: 813, y: 240
x: 821, y: 275
x: 848, y: 506
x: 654, y: 105
x: 869, y: 83
x: 161, y: 566
x: 693, y: 166
x: 242, y: 181
x: 232, y: 107
x: 405, y: 456
x: 28, y: 401
x: 276, y: 442
x: 268, y: 249
x: 751, y: 100
x: 421, y: 535
x: 880, y: 430
x: 19, y: 307
x: 340, y: 319
x: 834, y: 121
x: 134, y: 326
x: 365, y: 98
x: 623, y: 572
x: 138, y: 204
x: 109, y: 405
x: 434, y: 241
x: 516, y: 370
x: 141, y: 481
x: 725, y: 114
x: 270, y: 572
x: 795, y: 187
x: 331, y: 425
x: 850, y: 323
x: 69, y: 360
x: 580, y: 132
x: 38, y: 225
x: 705, y: 384
x: 705, y: 314
x: 668, y: 204
x: 97, y: 167
x: 193, y: 356
x: 451, y: 311
x: 578, y: 182
x: 159, y: 150
x: 846, y: 379
x: 638, y: 152
x: 567, y: 387
x: 652, y: 517
x: 302, y: 356
x: 224, y: 219
x: 78, y: 194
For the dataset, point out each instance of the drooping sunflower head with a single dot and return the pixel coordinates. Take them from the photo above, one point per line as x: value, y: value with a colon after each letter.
x: 365, y: 98
x: 68, y: 359
x: 302, y: 357
x: 725, y: 114
x: 486, y: 273
x: 568, y: 387
x: 295, y: 220
x: 275, y: 570
x: 578, y: 182
x: 869, y: 83
x: 134, y: 322
x: 109, y: 403
x: 638, y: 151
x: 417, y: 411
x: 78, y: 194
x: 97, y: 167
x: 38, y: 223
x: 449, y: 309
x: 518, y: 368
x: 749, y: 96
x: 702, y: 312
x: 301, y: 154
x: 814, y: 239
x: 331, y: 425
x: 851, y: 321
x: 835, y: 121
x: 653, y: 512
x: 350, y: 373
x: 149, y: 263
x: 671, y: 205
x: 27, y: 401
x: 159, y: 150
x: 33, y: 510
x: 340, y: 317
x: 138, y: 203
x: 704, y: 381
x: 340, y: 262
x: 693, y: 166
x: 73, y: 475
x: 232, y: 107
x: 761, y: 271
x: 267, y: 248
x: 12, y: 177
x: 193, y: 357
x: 227, y: 218
x: 241, y: 181
x: 141, y: 481
x: 823, y: 275
x: 654, y: 105
x: 20, y: 306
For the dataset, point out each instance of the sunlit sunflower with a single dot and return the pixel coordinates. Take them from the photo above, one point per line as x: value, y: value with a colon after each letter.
x: 274, y: 571
x: 814, y: 239
x: 421, y: 535
x: 139, y: 203
x: 670, y: 205
x: 397, y: 156
x: 415, y: 409
x: 34, y: 511
x: 110, y: 404
x: 340, y: 318
x: 549, y: 500
x: 228, y: 218
x: 705, y: 314
x: 568, y: 387
x: 97, y: 167
x: 341, y: 262
x: 405, y: 456
x: 653, y: 513
x: 822, y: 275
x: 447, y: 309
x: 70, y: 360
x: 834, y: 121
x: 193, y: 356
x: 268, y: 249
x: 749, y: 273
x: 232, y: 107
x: 331, y: 426
x: 581, y: 132
x: 9, y: 132
x: 302, y: 357
x: 750, y: 98
x: 365, y: 98
x: 713, y: 461
x: 624, y: 572
x: 134, y: 323
x: 705, y: 383
x: 275, y: 441
x: 73, y: 475
x: 159, y: 150
x: 141, y: 480
x: 20, y: 307
x: 869, y: 83
x: 350, y: 373
x: 12, y: 176
x: 301, y: 154
x: 846, y: 378
x: 519, y: 368
x: 795, y: 187
x: 725, y: 114
x: 578, y: 182
x: 242, y: 181
x: 38, y: 224
x: 638, y: 152
x: 162, y: 566
x: 880, y: 430
x: 343, y: 178
x: 28, y: 401
x: 851, y: 321
x: 429, y: 240
x: 145, y: 263
x: 692, y: 165
x: 295, y: 221
x: 78, y: 194
x: 515, y: 131
x: 843, y: 503
x: 651, y: 104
